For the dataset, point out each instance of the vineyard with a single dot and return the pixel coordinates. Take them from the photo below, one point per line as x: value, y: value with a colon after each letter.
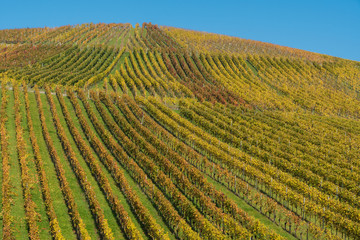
x: 109, y: 131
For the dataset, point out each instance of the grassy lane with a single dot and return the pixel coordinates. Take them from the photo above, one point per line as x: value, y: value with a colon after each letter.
x: 78, y: 193
x: 144, y: 200
x: 36, y: 195
x: 129, y: 34
x: 120, y: 62
x: 121, y: 39
x: 113, y: 41
x: 249, y: 209
x: 17, y: 209
x: 54, y: 185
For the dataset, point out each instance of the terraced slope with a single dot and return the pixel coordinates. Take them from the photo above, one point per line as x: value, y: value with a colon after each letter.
x: 110, y: 131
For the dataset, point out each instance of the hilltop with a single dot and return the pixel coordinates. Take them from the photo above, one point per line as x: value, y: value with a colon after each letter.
x: 154, y: 132
x: 258, y: 74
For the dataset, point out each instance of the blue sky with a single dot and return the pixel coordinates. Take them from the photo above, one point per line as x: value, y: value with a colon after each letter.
x: 329, y: 27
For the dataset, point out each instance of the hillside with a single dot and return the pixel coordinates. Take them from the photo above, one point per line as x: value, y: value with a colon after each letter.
x: 110, y: 131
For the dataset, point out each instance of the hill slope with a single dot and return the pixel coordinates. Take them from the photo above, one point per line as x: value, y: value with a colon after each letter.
x: 109, y: 131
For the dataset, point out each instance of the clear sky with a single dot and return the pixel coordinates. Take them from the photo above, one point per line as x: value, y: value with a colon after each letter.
x: 324, y: 26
